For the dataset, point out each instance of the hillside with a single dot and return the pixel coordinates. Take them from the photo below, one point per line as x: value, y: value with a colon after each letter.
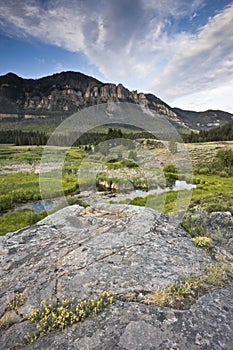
x: 203, y: 120
x: 62, y: 94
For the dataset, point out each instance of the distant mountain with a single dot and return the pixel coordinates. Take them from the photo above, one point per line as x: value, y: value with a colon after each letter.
x: 204, y: 120
x: 67, y: 92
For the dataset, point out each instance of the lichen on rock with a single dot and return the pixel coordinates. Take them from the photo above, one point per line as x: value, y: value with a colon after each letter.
x: 127, y: 250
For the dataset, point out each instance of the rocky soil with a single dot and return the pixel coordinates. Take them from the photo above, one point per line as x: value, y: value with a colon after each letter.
x: 79, y: 252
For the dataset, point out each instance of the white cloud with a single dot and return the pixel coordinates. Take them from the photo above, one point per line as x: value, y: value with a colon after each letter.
x: 175, y: 8
x: 200, y: 62
x: 137, y: 43
x: 55, y: 25
x: 214, y: 98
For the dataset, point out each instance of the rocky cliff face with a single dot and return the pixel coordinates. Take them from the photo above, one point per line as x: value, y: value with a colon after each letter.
x: 66, y: 93
x: 129, y: 250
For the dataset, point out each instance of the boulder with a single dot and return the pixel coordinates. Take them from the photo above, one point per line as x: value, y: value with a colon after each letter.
x: 81, y: 252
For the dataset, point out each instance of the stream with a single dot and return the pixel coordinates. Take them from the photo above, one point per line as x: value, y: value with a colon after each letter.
x: 104, y: 197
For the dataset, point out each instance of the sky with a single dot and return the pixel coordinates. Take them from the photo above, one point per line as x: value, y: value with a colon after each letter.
x: 179, y: 50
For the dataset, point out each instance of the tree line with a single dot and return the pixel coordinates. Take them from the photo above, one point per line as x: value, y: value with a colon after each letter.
x: 29, y: 138
x: 220, y: 133
x: 23, y: 138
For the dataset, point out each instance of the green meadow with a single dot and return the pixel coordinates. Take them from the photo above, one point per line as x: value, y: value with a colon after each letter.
x: 213, y: 176
x: 19, y: 184
x: 213, y: 193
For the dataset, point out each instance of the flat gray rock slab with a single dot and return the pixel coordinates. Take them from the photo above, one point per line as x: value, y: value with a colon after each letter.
x: 79, y: 252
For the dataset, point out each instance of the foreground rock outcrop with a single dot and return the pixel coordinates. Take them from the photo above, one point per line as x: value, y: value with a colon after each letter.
x: 79, y: 252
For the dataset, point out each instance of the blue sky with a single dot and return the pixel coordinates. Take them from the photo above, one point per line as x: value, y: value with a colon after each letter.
x: 180, y: 50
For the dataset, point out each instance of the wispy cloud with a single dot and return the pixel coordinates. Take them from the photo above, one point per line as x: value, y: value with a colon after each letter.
x: 58, y: 67
x: 141, y: 43
x: 203, y: 60
x: 40, y: 60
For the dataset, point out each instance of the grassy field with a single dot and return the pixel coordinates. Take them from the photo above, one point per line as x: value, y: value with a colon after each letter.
x: 10, y: 154
x: 17, y: 188
x: 212, y: 193
x: 20, y: 184
x: 19, y: 181
x: 16, y: 220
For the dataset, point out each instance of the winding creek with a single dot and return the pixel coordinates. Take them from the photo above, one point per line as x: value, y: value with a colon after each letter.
x: 104, y: 196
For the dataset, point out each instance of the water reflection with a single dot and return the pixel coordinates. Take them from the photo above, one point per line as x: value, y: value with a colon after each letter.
x: 179, y: 185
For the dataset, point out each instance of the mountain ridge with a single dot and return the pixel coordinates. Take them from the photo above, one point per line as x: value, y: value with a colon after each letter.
x: 67, y: 92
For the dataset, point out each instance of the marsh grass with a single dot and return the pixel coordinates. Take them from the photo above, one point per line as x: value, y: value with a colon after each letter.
x: 17, y: 155
x: 17, y: 188
x: 16, y: 220
x: 213, y: 193
x: 164, y: 202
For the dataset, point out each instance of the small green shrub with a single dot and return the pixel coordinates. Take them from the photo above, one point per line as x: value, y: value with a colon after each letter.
x: 16, y: 302
x: 215, y: 275
x: 203, y: 171
x: 223, y: 173
x: 202, y: 241
x: 30, y: 338
x: 170, y: 168
x: 180, y: 289
x: 79, y: 201
x: 60, y: 314
x: 140, y: 201
x: 121, y: 163
x: 194, y: 226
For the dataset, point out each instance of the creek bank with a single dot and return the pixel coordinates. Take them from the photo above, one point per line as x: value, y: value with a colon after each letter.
x: 103, y: 196
x: 117, y: 195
